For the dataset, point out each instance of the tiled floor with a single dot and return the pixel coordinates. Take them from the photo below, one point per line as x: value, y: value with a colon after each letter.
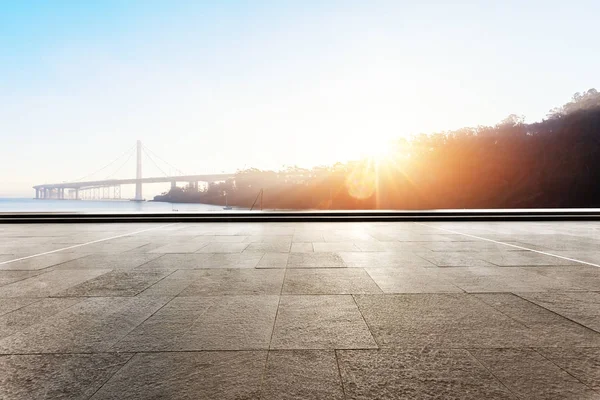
x: 300, y: 311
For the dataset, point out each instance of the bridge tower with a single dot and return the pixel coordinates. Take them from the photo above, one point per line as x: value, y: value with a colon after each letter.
x: 138, y: 173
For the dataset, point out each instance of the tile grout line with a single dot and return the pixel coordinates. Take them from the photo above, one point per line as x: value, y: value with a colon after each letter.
x: 365, y: 321
x: 133, y: 355
x: 492, y: 374
x: 85, y: 244
x: 337, y: 361
x: 554, y: 312
x: 508, y: 244
x: 561, y: 368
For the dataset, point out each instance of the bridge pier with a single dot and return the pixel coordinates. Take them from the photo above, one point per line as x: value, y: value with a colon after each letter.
x: 138, y: 173
x: 173, y: 184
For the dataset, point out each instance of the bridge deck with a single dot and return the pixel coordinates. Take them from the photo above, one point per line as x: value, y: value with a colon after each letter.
x: 367, y: 310
x: 115, y: 182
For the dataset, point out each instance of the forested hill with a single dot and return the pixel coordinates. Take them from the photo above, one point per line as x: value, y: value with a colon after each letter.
x: 553, y: 163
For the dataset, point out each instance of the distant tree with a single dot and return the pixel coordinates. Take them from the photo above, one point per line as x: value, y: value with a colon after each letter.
x: 580, y: 101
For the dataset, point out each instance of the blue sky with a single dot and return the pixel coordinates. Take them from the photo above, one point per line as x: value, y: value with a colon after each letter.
x: 216, y: 86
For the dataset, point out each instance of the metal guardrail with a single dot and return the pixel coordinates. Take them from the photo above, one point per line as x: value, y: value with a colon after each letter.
x: 310, y: 216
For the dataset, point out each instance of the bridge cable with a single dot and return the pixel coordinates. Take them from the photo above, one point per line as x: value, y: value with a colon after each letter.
x: 106, y: 166
x: 122, y: 165
x: 154, y: 162
x: 157, y: 156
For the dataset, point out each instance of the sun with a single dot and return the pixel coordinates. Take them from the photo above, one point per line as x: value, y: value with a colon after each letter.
x: 375, y: 150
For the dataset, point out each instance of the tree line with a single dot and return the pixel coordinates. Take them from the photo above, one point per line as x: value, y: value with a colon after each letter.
x: 552, y: 163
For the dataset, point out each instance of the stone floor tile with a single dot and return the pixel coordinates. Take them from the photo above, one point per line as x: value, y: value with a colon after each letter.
x: 283, y: 247
x: 581, y: 307
x: 544, y: 328
x: 178, y: 261
x: 31, y: 313
x: 221, y: 238
x: 206, y: 323
x: 180, y: 247
x: 497, y: 279
x: 204, y: 375
x: 14, y: 303
x: 223, y: 248
x: 329, y: 281
x: 315, y: 260
x: 417, y: 374
x: 332, y: 247
x: 91, y: 325
x: 235, y: 282
x: 40, y: 262
x: 320, y: 322
x: 439, y: 320
x: 531, y: 376
x: 116, y: 283
x: 56, y: 376
x: 7, y: 277
x: 48, y: 284
x: 302, y: 247
x: 273, y: 260
x: 582, y: 276
x: 384, y: 260
x: 411, y: 280
x: 302, y: 374
x: 454, y: 259
x: 522, y: 259
x: 108, y: 261
x: 582, y: 363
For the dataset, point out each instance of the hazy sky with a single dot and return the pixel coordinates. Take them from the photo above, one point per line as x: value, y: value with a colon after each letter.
x: 216, y: 86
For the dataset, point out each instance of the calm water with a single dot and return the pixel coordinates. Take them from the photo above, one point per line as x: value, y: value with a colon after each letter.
x: 89, y: 206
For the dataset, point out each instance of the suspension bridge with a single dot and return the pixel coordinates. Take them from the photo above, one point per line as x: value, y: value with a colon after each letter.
x: 110, y: 188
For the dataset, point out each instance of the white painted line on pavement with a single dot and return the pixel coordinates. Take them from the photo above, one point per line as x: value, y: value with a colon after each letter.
x: 85, y: 244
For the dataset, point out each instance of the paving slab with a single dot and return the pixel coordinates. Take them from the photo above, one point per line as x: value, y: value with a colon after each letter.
x: 302, y: 374
x: 39, y: 262
x: 31, y: 312
x: 180, y: 247
x: 498, y: 279
x: 320, y: 322
x: 116, y: 283
x: 411, y: 280
x: 523, y: 259
x: 49, y: 284
x: 454, y: 259
x: 417, y: 374
x: 56, y: 376
x: 206, y: 323
x: 92, y: 325
x: 581, y: 276
x: 202, y: 375
x: 223, y: 248
x: 545, y: 328
x: 531, y: 376
x: 302, y: 247
x: 283, y: 247
x: 108, y: 261
x: 177, y: 261
x: 315, y: 260
x: 332, y: 247
x: 235, y: 282
x: 581, y: 307
x: 582, y: 363
x: 384, y: 260
x: 439, y: 321
x: 273, y: 260
x: 329, y: 281
x: 7, y: 277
